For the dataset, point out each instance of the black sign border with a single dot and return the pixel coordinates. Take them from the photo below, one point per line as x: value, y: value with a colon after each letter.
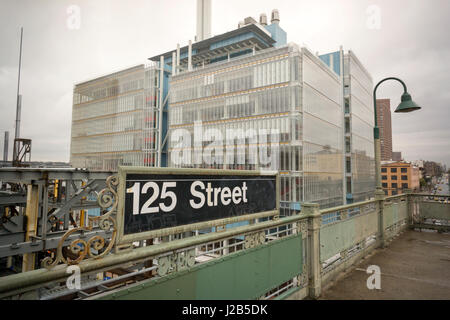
x: 129, y: 238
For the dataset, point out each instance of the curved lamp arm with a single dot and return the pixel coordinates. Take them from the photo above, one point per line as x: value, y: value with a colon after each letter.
x: 376, y: 135
x: 375, y: 97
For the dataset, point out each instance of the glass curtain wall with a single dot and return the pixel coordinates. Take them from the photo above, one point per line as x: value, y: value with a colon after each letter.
x: 115, y: 120
x: 323, y: 134
x: 359, y: 97
x: 268, y: 91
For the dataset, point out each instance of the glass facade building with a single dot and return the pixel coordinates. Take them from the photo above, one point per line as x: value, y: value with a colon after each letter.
x: 287, y: 89
x: 115, y: 120
x: 245, y: 79
x: 358, y: 124
x: 359, y: 116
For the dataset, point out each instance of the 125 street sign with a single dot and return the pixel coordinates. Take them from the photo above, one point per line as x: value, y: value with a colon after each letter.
x: 158, y: 198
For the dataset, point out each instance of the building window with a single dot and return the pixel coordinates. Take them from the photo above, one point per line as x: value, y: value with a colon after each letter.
x: 393, y: 177
x: 384, y: 185
x: 394, y: 185
x: 383, y: 177
x: 404, y: 170
x: 383, y: 169
x: 404, y: 177
x: 394, y: 192
x: 393, y: 169
x: 404, y: 185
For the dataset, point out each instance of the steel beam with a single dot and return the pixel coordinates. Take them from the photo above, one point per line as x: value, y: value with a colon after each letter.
x: 28, y: 175
x: 13, y: 199
x: 90, y: 186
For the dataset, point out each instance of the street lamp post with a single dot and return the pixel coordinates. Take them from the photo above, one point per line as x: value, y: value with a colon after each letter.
x: 406, y: 105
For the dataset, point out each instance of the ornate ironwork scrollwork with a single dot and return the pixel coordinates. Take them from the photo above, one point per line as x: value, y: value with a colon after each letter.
x: 176, y: 262
x: 249, y: 241
x: 254, y: 239
x: 97, y: 246
x: 302, y: 227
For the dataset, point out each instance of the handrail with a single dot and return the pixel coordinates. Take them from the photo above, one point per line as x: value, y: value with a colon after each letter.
x: 429, y: 195
x: 206, y: 225
x: 30, y: 280
x: 395, y: 196
x: 348, y: 206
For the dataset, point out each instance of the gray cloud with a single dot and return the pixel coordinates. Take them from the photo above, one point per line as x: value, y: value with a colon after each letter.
x: 412, y: 44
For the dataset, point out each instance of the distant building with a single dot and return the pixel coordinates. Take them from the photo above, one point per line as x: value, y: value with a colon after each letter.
x: 419, y: 164
x: 385, y: 125
x: 397, y: 176
x: 432, y: 169
x: 396, y: 156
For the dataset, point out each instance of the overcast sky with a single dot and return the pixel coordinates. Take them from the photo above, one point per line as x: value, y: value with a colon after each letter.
x: 404, y: 38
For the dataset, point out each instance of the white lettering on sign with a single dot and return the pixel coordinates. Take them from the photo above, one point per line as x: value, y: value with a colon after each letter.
x: 213, y: 195
x: 197, y: 194
x: 201, y: 194
x: 146, y: 208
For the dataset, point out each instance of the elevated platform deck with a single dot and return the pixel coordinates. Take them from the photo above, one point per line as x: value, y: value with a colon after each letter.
x: 416, y: 265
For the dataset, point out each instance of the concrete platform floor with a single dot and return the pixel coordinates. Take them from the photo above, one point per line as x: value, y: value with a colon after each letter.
x: 416, y: 265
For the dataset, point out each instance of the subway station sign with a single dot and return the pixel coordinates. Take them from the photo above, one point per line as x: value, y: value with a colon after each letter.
x: 151, y: 199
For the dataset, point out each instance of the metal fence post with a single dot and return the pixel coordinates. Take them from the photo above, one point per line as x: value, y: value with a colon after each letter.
x: 311, y: 211
x: 409, y: 206
x: 379, y: 197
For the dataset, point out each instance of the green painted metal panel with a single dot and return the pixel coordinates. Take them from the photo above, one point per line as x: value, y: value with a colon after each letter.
x: 243, y: 275
x: 394, y: 212
x: 435, y: 210
x: 181, y: 287
x: 366, y: 225
x: 252, y: 274
x: 402, y: 210
x: 343, y: 235
x: 389, y: 213
x: 336, y: 237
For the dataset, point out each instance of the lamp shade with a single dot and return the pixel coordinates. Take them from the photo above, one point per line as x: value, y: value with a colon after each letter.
x: 407, y: 105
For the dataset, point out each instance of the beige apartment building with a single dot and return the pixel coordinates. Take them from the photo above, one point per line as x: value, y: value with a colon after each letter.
x: 397, y: 176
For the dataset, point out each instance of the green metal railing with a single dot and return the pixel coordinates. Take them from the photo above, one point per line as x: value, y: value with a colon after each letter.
x: 291, y: 257
x: 431, y: 211
x: 253, y: 262
x: 351, y: 232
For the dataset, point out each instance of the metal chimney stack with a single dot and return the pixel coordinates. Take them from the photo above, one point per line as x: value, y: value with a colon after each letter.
x: 275, y: 16
x: 263, y: 19
x: 203, y: 20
